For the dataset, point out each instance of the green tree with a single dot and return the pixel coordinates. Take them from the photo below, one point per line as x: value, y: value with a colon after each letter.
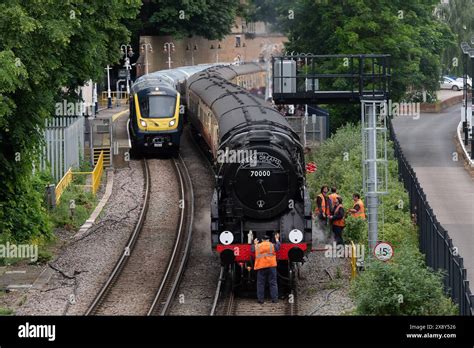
x: 211, y: 19
x: 47, y: 49
x: 407, y: 30
x: 459, y: 16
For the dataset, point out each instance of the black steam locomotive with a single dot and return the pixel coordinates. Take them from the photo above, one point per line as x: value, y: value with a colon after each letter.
x: 260, y: 172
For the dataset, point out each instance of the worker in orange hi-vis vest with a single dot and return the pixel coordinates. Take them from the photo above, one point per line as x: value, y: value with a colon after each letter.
x: 322, y: 208
x: 332, y: 197
x: 338, y: 222
x: 358, y: 210
x: 266, y: 266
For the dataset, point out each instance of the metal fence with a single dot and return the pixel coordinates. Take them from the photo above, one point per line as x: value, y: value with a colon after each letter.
x: 435, y: 242
x: 64, y: 144
x: 316, y: 126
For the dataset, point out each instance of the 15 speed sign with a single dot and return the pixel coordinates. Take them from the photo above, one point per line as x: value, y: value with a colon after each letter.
x: 383, y: 251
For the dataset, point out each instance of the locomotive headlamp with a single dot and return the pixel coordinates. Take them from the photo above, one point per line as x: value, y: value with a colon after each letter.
x: 295, y: 236
x: 172, y: 122
x: 143, y: 123
x: 226, y: 237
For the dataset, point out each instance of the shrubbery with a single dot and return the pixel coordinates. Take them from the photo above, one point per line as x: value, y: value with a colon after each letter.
x: 404, y: 285
x: 23, y: 217
x: 85, y: 203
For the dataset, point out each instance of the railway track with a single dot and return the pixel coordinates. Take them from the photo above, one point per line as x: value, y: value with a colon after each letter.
x: 232, y: 305
x: 174, y: 271
x: 146, y: 276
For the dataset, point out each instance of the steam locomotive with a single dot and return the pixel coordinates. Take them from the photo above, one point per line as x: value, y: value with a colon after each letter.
x: 260, y: 173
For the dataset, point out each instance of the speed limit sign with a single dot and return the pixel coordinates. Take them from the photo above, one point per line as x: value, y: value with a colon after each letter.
x: 383, y: 251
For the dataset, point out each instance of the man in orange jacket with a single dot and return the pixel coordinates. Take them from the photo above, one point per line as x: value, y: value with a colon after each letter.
x: 338, y: 222
x: 332, y: 197
x: 358, y: 210
x: 266, y: 266
x: 322, y: 208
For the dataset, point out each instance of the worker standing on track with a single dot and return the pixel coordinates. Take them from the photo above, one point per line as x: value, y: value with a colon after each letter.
x: 338, y: 222
x: 266, y: 266
x: 358, y: 210
x: 322, y: 208
x: 332, y: 199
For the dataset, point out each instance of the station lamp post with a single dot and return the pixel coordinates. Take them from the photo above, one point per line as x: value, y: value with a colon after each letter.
x: 127, y: 53
x: 465, y: 49
x: 168, y: 47
x: 471, y: 55
x: 146, y: 47
x: 109, y: 93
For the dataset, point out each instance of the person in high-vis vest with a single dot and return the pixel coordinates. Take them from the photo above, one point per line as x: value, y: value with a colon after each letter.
x: 332, y: 199
x: 266, y: 266
x: 358, y: 210
x: 322, y: 208
x: 338, y: 222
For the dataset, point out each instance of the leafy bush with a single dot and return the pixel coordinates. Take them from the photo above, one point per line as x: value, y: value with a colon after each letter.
x: 355, y: 230
x: 403, y: 286
x: 377, y: 290
x: 416, y: 96
x: 23, y: 215
x: 84, y: 201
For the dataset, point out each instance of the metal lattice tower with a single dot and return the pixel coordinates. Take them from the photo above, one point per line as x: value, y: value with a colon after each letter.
x: 374, y: 159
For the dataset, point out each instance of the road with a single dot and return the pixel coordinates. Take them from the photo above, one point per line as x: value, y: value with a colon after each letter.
x: 428, y: 144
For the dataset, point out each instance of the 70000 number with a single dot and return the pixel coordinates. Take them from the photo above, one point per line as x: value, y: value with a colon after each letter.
x: 260, y: 173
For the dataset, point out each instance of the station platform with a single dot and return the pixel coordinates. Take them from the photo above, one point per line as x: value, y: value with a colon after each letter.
x: 110, y: 135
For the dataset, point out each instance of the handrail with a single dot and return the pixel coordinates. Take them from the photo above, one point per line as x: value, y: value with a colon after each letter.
x: 123, y: 95
x: 466, y: 154
x: 62, y: 185
x: 96, y: 174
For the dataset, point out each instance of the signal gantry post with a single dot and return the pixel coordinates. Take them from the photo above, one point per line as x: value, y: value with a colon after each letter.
x: 331, y: 79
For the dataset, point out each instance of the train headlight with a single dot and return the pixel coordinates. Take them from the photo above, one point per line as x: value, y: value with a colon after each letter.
x: 172, y: 122
x: 295, y: 236
x: 143, y: 123
x: 226, y: 237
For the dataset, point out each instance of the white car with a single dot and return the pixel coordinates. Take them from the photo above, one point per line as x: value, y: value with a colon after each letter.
x: 469, y: 81
x: 449, y: 83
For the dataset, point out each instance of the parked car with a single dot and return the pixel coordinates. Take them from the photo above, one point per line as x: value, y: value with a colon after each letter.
x: 469, y: 81
x: 449, y: 83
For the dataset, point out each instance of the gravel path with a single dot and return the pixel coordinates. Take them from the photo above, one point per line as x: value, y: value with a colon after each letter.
x: 199, y: 281
x: 83, y: 265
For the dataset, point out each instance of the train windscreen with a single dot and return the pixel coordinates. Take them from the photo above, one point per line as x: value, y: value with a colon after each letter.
x: 158, y: 107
